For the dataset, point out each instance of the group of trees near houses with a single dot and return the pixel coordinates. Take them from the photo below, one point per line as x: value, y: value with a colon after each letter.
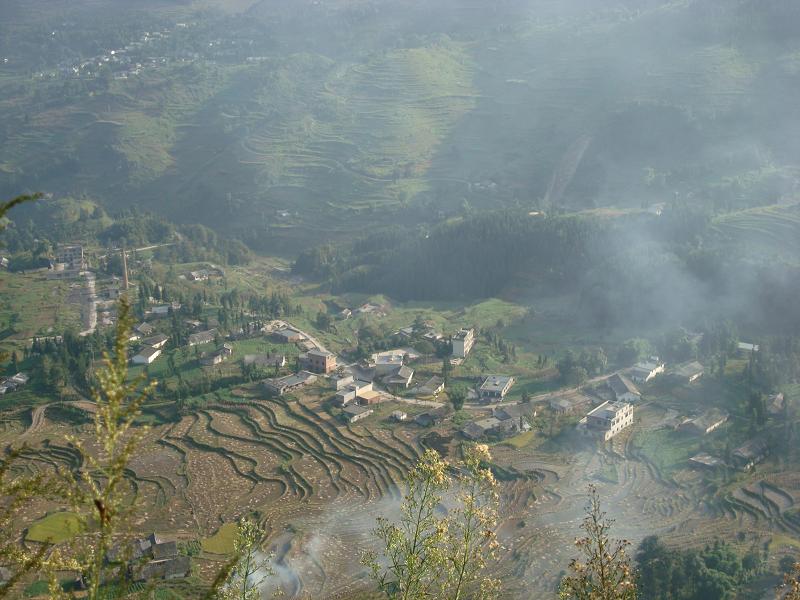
x: 714, y: 572
x: 36, y: 230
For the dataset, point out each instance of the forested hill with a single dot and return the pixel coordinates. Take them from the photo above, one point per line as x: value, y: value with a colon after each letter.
x: 632, y: 267
x: 290, y: 123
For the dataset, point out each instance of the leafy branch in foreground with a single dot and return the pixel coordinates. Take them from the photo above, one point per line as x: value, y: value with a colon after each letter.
x: 791, y: 584
x: 7, y: 206
x: 428, y: 556
x: 15, y: 494
x: 98, y: 493
x: 605, y: 571
x: 243, y: 577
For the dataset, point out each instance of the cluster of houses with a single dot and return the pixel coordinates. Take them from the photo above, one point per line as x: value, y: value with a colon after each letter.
x: 503, y: 421
x: 152, y: 558
x: 9, y: 384
x: 205, y: 274
x: 151, y: 346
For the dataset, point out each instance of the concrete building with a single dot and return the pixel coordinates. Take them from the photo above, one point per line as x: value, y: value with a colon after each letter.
x: 495, y: 387
x: 623, y: 389
x: 608, y: 419
x: 462, y: 342
x: 350, y: 393
x: 399, y: 415
x: 387, y: 363
x: 71, y: 255
x: 288, y: 336
x: 356, y: 413
x: 321, y: 361
x: 146, y: 356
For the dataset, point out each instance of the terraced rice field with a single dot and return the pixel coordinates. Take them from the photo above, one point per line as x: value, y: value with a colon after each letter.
x: 770, y: 229
x: 318, y: 485
x: 288, y: 462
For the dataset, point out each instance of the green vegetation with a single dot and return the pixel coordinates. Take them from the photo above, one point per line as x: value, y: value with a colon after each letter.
x: 55, y: 528
x: 222, y: 541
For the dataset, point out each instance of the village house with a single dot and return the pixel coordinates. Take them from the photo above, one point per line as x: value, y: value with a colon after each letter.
x: 199, y: 275
x: 745, y: 349
x: 689, y: 372
x: 433, y: 387
x: 495, y: 387
x: 12, y: 383
x: 342, y: 379
x: 514, y: 417
x: 399, y: 415
x: 203, y: 337
x: 163, y: 309
x: 192, y: 323
x: 776, y: 405
x: 475, y: 430
x: 705, y: 461
x: 146, y: 356
x: 608, y: 419
x: 320, y: 361
x: 750, y: 454
x: 623, y: 389
x: 356, y: 413
x: 386, y: 363
x: 400, y: 379
x: 462, y: 342
x: 352, y: 391
x: 646, y: 370
x: 217, y: 357
x: 282, y: 385
x: 345, y: 314
x: 287, y: 336
x: 570, y: 404
x: 265, y: 360
x: 145, y: 328
x: 157, y: 341
x: 706, y: 423
x: 432, y: 417
x: 370, y: 397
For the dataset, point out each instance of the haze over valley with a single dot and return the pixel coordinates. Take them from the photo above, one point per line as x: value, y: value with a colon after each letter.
x: 553, y: 243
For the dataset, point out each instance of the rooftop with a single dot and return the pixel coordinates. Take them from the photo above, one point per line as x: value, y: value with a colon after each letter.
x: 496, y: 383
x: 608, y: 410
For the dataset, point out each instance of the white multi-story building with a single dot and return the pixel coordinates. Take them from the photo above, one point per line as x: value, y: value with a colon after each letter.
x: 462, y: 342
x: 608, y: 419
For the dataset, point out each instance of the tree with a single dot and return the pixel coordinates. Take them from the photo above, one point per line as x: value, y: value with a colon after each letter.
x: 447, y: 368
x: 457, y: 395
x: 242, y: 578
x: 605, y: 572
x: 426, y: 556
x: 323, y: 321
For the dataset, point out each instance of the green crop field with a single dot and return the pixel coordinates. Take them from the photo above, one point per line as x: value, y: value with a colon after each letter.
x: 55, y: 528
x: 222, y: 541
